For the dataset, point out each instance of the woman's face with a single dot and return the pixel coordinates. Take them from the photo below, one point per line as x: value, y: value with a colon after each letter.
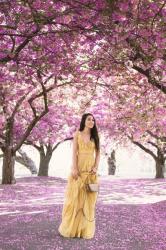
x: 89, y: 122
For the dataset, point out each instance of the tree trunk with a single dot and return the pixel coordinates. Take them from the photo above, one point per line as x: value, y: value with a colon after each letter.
x: 8, y: 166
x: 160, y: 163
x: 111, y: 163
x: 25, y: 160
x: 8, y: 155
x: 44, y: 161
x: 159, y: 169
x: 159, y: 157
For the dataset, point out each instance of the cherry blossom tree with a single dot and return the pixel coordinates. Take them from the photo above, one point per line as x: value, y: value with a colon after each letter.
x: 134, y: 37
x: 58, y: 126
x: 37, y: 44
x: 86, y: 45
x: 136, y: 111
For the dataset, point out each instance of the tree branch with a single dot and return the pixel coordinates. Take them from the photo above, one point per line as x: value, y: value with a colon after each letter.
x: 27, y: 142
x: 18, y: 105
x: 19, y: 48
x: 67, y: 139
x: 153, y: 144
x: 34, y: 121
x: 148, y: 151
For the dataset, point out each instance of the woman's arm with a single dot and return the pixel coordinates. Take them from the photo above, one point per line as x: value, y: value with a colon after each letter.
x: 97, y: 160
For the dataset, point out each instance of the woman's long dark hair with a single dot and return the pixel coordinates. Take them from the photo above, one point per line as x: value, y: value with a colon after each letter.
x: 93, y: 131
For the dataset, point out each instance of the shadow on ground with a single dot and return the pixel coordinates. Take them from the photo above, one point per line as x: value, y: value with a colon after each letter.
x: 130, y: 215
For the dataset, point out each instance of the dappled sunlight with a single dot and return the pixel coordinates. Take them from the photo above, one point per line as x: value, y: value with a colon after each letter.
x: 126, y: 211
x: 45, y: 192
x: 26, y: 198
x: 131, y: 191
x: 21, y: 212
x: 140, y: 191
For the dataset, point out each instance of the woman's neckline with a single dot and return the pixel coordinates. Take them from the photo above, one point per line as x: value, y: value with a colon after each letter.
x: 83, y: 139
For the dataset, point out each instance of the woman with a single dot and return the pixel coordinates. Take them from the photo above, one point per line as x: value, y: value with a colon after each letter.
x: 78, y: 214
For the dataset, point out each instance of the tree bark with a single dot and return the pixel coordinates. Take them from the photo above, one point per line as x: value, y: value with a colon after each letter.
x: 160, y: 163
x: 111, y: 163
x: 8, y: 166
x: 159, y: 158
x: 46, y: 157
x: 44, y: 160
x: 8, y: 155
x: 25, y: 160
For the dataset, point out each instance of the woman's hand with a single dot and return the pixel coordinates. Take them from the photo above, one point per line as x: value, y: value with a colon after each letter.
x: 93, y: 170
x: 75, y: 173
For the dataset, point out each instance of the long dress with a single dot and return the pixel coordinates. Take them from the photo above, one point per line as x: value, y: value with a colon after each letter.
x: 78, y: 213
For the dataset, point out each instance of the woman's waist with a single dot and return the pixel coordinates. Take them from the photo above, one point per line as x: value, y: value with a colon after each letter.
x: 86, y: 152
x: 82, y: 154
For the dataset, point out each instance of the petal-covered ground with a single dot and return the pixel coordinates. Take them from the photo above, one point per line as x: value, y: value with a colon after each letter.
x: 130, y: 215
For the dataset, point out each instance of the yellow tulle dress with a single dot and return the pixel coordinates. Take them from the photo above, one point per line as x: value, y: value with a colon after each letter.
x: 78, y: 213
